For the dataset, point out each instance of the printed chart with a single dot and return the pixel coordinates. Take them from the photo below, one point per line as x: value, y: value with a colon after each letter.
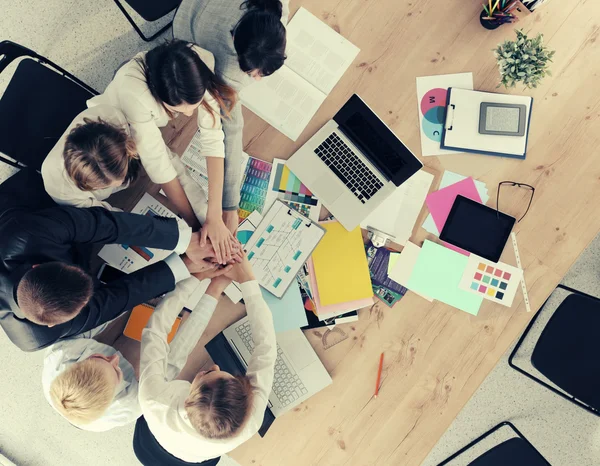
x: 280, y: 245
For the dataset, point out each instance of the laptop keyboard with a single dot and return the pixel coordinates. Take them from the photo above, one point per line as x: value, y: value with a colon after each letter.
x: 287, y: 386
x: 348, y: 167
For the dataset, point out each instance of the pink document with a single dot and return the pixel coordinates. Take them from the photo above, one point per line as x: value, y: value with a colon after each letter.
x: 440, y: 203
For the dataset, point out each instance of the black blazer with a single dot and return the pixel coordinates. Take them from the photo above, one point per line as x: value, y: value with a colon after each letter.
x: 32, y: 236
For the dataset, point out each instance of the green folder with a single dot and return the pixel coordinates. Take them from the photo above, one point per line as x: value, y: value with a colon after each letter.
x: 438, y: 272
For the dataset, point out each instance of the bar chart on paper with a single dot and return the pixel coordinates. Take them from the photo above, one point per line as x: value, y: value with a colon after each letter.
x: 280, y: 245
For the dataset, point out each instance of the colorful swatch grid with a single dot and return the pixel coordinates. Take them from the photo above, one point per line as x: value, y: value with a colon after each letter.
x: 291, y: 188
x: 254, y: 187
x: 496, y: 282
x: 490, y: 280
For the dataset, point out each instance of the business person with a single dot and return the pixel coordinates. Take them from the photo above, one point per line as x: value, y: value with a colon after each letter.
x: 46, y: 292
x: 97, y: 157
x: 248, y: 41
x: 91, y: 384
x: 197, y: 423
x: 153, y: 88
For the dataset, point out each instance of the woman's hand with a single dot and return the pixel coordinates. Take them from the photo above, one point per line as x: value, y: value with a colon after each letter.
x: 231, y: 220
x: 213, y: 271
x: 222, y: 240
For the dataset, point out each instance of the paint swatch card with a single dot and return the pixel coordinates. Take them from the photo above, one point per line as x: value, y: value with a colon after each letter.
x: 496, y: 282
x: 287, y: 187
x: 254, y: 187
x: 432, y: 94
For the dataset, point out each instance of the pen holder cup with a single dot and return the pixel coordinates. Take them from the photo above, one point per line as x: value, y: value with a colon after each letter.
x: 488, y: 23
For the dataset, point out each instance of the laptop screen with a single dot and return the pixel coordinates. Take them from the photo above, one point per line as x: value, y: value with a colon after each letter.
x: 377, y: 142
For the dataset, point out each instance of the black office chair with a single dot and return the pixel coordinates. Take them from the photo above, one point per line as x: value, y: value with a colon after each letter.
x: 150, y: 10
x: 37, y: 106
x: 514, y: 451
x: 560, y: 348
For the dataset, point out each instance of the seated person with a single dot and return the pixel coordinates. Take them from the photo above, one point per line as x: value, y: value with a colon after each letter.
x: 152, y: 89
x: 198, y: 422
x: 91, y: 384
x: 247, y: 40
x: 46, y: 291
x: 96, y: 157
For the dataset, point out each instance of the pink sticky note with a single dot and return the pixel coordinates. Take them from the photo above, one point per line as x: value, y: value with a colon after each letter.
x: 440, y: 202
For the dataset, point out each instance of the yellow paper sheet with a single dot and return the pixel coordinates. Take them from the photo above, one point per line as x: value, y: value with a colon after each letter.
x: 341, y: 267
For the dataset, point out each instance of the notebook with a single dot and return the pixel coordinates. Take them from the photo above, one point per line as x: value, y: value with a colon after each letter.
x: 317, y: 57
x: 340, y: 265
x: 140, y: 315
x: 461, y: 130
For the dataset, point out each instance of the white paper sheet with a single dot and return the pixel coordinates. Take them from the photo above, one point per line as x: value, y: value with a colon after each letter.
x: 431, y: 101
x: 131, y: 258
x: 317, y: 58
x: 316, y: 52
x: 404, y: 265
x: 398, y: 214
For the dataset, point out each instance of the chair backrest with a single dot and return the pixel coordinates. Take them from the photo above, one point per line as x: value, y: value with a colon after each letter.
x: 151, y: 10
x: 38, y: 105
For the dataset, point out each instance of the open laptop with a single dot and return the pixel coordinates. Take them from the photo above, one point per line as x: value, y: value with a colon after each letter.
x: 353, y: 163
x: 299, y: 373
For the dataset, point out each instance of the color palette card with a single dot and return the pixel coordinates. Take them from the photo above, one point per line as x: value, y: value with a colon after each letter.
x: 437, y: 274
x: 254, y: 186
x: 496, y: 282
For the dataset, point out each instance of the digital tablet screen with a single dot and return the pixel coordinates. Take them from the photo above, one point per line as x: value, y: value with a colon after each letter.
x: 477, y: 228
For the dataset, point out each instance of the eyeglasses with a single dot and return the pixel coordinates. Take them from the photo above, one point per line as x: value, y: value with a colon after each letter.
x: 520, y: 185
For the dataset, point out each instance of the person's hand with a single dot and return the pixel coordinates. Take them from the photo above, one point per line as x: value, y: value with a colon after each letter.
x: 214, y: 272
x: 218, y: 284
x: 231, y: 220
x: 222, y: 240
x: 198, y: 252
x: 242, y: 272
x: 199, y: 267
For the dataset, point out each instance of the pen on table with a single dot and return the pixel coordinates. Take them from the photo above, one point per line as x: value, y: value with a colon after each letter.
x: 379, y: 375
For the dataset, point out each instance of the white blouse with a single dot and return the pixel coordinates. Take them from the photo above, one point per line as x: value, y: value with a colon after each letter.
x: 59, y: 185
x: 124, y: 408
x: 129, y: 92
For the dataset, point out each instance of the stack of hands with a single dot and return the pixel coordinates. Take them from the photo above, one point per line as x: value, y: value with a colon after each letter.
x: 222, y: 265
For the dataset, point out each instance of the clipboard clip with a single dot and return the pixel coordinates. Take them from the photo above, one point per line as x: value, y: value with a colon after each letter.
x: 307, y: 225
x: 379, y: 238
x: 451, y: 110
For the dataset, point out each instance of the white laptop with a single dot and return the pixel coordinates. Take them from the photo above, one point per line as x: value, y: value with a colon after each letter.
x: 353, y: 163
x: 299, y: 373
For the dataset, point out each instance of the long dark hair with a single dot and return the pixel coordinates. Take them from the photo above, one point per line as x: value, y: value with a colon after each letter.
x: 259, y: 37
x: 175, y: 74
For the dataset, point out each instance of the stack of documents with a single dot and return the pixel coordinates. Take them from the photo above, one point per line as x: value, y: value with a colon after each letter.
x: 339, y: 272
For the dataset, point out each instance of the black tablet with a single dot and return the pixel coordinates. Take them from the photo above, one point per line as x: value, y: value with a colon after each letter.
x: 477, y: 228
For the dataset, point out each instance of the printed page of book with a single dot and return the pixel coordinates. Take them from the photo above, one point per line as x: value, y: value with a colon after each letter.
x: 284, y: 100
x: 316, y: 52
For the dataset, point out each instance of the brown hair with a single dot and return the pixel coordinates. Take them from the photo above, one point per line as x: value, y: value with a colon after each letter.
x: 83, y: 392
x: 98, y: 153
x: 219, y: 409
x: 54, y: 292
x: 175, y: 74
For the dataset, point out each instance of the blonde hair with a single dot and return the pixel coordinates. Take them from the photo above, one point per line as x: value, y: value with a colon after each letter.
x: 220, y: 408
x: 83, y: 392
x: 97, y: 154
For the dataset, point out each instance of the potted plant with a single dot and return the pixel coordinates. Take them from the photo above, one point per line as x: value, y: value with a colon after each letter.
x: 523, y: 60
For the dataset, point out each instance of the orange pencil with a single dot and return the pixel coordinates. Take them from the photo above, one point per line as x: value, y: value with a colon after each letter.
x: 379, y: 375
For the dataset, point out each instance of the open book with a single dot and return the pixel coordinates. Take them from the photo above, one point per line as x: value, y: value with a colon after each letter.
x: 317, y: 58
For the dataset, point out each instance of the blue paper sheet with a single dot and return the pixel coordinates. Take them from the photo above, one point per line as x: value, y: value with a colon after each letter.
x: 288, y: 312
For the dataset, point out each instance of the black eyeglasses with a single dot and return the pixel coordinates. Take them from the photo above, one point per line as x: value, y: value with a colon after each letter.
x: 520, y: 185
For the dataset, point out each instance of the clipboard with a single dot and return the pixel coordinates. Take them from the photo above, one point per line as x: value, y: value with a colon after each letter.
x: 461, y: 128
x: 281, y: 244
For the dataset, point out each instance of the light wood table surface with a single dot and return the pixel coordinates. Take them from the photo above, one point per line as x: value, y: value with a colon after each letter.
x: 436, y: 356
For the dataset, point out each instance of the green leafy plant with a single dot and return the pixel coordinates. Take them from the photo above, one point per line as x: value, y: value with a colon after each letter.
x: 523, y: 60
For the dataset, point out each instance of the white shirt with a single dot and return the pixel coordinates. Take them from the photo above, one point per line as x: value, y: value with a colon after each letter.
x: 59, y: 185
x: 162, y: 398
x: 129, y: 93
x: 124, y: 408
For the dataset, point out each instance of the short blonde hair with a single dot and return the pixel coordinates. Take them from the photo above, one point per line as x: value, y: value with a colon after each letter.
x: 220, y: 408
x: 83, y: 392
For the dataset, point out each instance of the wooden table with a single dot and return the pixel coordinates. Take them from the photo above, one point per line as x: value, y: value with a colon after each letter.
x: 436, y: 356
